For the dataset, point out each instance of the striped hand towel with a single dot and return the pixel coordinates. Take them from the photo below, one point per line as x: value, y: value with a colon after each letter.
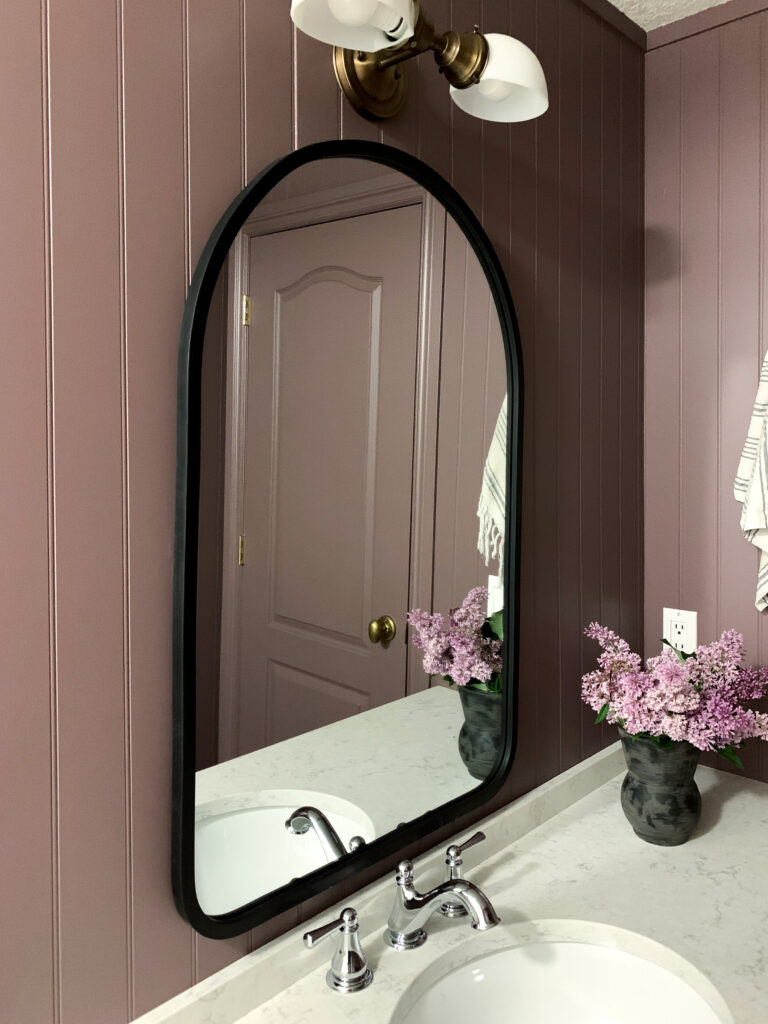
x: 491, y: 507
x: 751, y: 484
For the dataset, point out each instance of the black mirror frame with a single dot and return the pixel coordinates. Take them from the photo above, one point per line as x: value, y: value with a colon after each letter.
x: 196, y: 309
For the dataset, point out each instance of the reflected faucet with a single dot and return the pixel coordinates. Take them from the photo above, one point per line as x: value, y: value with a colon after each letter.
x: 412, y: 909
x: 305, y: 818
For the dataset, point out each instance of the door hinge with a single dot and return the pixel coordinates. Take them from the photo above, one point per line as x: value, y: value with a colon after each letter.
x: 246, y: 310
x: 241, y: 550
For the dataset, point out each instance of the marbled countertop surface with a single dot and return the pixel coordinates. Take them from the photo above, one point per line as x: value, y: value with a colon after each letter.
x: 707, y: 901
x: 395, y: 762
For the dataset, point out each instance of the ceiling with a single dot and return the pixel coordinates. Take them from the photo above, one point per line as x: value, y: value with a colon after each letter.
x: 650, y: 14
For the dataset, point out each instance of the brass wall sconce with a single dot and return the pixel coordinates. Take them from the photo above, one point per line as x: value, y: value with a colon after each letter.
x: 492, y: 76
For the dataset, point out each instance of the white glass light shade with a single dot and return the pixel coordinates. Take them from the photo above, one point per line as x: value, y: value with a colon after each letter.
x: 367, y: 25
x: 512, y: 86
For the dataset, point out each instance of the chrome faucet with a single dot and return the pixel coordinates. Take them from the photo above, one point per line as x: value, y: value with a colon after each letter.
x: 412, y: 909
x: 305, y: 818
x: 349, y: 971
x: 454, y: 863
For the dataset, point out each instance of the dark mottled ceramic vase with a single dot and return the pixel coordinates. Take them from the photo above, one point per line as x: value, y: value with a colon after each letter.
x: 659, y: 796
x: 480, y: 736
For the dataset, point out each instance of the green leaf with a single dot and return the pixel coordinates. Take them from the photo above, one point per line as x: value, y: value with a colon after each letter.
x: 729, y: 753
x: 496, y: 624
x: 602, y: 713
x: 494, y: 683
x: 682, y: 655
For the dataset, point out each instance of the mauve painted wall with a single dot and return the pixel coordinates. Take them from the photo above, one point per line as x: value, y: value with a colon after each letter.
x: 125, y: 128
x: 706, y: 315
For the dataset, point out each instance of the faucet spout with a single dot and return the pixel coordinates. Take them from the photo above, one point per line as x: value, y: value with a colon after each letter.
x: 412, y: 909
x: 305, y: 818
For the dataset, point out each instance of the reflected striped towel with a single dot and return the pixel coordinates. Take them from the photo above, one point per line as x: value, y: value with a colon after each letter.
x: 751, y: 484
x: 490, y: 509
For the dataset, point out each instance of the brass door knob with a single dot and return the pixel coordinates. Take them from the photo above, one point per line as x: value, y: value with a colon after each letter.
x: 382, y: 629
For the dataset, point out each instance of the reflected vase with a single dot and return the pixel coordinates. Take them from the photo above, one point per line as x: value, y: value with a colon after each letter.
x: 659, y: 796
x: 481, y: 735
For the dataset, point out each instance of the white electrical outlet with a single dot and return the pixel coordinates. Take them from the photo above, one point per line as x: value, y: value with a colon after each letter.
x: 680, y: 628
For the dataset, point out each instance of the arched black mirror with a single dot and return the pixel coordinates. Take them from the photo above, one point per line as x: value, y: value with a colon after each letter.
x: 349, y: 386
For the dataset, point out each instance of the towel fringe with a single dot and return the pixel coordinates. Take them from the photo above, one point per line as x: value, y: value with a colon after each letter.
x: 490, y: 540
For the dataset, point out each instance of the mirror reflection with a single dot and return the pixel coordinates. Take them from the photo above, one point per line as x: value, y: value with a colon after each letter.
x: 353, y: 377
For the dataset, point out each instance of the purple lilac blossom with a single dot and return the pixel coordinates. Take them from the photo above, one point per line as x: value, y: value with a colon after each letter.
x: 699, y: 699
x: 459, y: 653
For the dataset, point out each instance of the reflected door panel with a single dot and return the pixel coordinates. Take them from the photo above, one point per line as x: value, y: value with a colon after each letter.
x: 332, y: 353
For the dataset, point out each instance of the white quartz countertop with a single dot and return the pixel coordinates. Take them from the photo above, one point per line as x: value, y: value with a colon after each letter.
x: 395, y: 762
x: 706, y: 901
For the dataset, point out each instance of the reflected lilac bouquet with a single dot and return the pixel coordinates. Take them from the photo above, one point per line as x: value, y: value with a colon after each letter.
x: 468, y: 651
x: 696, y: 697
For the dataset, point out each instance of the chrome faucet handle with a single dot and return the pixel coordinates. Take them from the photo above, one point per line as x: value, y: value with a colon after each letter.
x: 404, y: 874
x: 349, y: 971
x: 453, y: 853
x: 453, y: 861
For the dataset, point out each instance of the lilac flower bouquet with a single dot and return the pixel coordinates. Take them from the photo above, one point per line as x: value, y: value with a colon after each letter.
x: 467, y: 651
x: 697, y: 697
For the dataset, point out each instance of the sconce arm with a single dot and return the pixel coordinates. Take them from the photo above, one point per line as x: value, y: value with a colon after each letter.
x: 461, y: 57
x: 424, y: 38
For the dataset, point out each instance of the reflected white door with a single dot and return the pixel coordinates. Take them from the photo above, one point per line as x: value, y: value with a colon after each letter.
x: 332, y: 352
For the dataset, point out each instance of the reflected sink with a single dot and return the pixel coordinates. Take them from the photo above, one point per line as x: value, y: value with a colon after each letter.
x: 243, y: 850
x: 567, y: 972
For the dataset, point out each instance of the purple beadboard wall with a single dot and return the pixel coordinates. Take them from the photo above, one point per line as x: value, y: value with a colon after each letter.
x: 125, y: 130
x: 706, y: 314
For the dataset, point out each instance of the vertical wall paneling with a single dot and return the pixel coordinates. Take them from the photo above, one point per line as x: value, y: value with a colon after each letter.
x: 663, y: 107
x: 740, y: 326
x: 569, y: 359
x: 155, y: 173
x: 157, y: 115
x: 435, y: 139
x: 401, y: 131
x: 495, y: 147
x: 591, y: 207
x: 631, y: 357
x: 610, y: 334
x: 739, y: 321
x: 761, y: 753
x: 519, y: 250
x: 466, y: 159
x: 763, y: 300
x: 28, y: 880
x: 88, y: 403
x: 268, y: 80
x: 699, y: 313
x: 542, y: 407
x: 215, y: 104
x: 472, y: 386
x: 705, y: 317
x: 318, y: 99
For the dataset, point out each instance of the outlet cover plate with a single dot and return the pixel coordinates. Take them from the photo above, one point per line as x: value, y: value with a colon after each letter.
x: 680, y: 628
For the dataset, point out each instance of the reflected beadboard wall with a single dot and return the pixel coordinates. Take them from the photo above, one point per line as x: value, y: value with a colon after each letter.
x: 706, y: 310
x: 125, y: 129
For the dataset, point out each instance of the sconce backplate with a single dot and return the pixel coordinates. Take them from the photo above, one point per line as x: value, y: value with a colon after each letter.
x: 374, y: 93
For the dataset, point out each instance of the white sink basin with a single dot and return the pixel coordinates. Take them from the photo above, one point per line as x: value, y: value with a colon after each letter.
x: 243, y: 850
x: 552, y: 977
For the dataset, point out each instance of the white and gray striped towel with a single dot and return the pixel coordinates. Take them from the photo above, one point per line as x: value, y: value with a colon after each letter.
x: 751, y: 484
x: 491, y: 507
